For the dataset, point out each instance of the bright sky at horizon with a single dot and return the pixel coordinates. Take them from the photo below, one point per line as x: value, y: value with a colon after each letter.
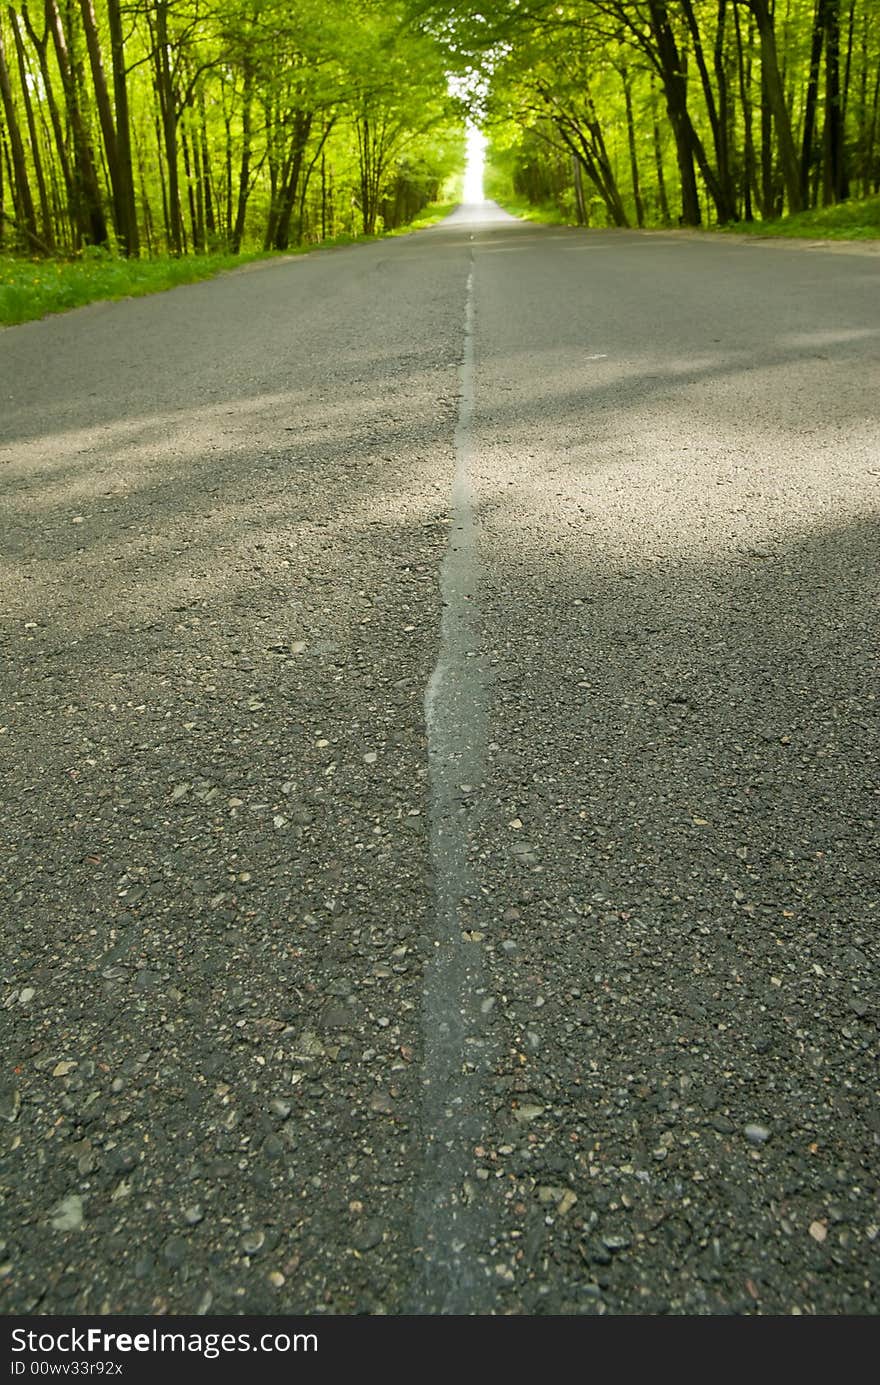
x: 474, y: 165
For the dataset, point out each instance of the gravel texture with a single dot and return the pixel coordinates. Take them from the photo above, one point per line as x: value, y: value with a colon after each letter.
x: 224, y: 514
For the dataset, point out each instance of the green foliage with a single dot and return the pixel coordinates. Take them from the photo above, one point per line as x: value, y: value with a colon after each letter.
x: 698, y: 111
x: 218, y: 125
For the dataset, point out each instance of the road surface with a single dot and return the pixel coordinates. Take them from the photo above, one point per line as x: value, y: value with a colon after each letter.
x: 439, y: 818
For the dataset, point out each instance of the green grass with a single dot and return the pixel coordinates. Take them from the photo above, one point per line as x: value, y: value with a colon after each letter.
x: 545, y: 213
x: 854, y: 220
x: 434, y: 212
x: 33, y: 288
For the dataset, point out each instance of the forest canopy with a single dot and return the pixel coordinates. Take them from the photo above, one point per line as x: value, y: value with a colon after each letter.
x: 210, y: 125
x: 658, y: 112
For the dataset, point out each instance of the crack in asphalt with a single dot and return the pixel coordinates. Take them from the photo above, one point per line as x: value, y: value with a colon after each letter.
x: 452, y: 1216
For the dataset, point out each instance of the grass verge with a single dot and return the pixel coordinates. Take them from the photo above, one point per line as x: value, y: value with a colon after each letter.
x: 545, y: 213
x: 31, y: 289
x: 434, y: 212
x: 34, y: 288
x: 854, y: 220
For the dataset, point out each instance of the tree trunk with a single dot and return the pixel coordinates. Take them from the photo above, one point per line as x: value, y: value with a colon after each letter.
x: 26, y: 217
x: 302, y: 126
x: 850, y: 36
x: 3, y: 155
x: 244, y: 172
x: 41, y: 46
x: 331, y: 203
x: 163, y: 181
x: 139, y: 160
x: 872, y: 172
x: 306, y: 179
x: 366, y: 140
x: 105, y: 114
x: 745, y: 74
x: 725, y: 120
x: 580, y: 201
x: 87, y: 192
x: 633, y: 154
x: 722, y: 192
x: 658, y: 160
x: 586, y: 143
x: 168, y: 116
x: 671, y: 71
x: 811, y: 98
x: 195, y: 220
x: 45, y: 212
x: 772, y: 81
x: 834, y: 179
x: 207, y: 190
x: 126, y: 211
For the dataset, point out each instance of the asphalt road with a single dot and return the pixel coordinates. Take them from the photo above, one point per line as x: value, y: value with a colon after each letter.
x: 438, y: 784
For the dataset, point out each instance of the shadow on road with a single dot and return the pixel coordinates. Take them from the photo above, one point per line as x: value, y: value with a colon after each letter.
x: 218, y: 611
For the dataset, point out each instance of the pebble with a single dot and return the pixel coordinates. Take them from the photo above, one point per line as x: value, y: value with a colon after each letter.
x: 193, y: 1215
x: 27, y: 994
x: 272, y: 1147
x: 68, y: 1215
x: 596, y: 1253
x: 756, y: 1134
x: 174, y: 1250
x: 253, y: 1241
x: 524, y: 1114
x: 367, y: 1235
x: 10, y: 1103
